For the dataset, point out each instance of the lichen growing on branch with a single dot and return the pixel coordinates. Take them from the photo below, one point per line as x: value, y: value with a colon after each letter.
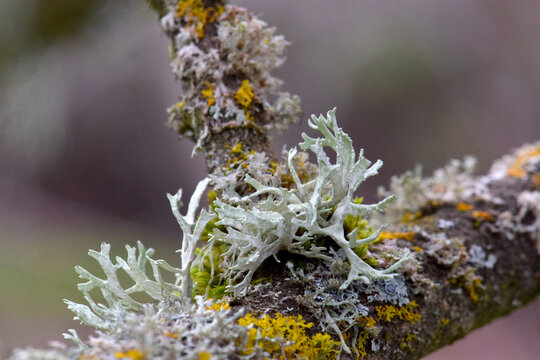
x: 226, y: 78
x: 285, y: 262
x: 247, y: 230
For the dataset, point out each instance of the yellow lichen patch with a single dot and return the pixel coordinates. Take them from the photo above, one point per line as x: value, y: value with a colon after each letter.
x: 472, y: 288
x: 244, y: 97
x: 196, y: 15
x: 408, y: 341
x: 384, y: 235
x: 363, y: 337
x: 388, y: 312
x: 170, y: 334
x: 417, y: 249
x: 208, y: 93
x: 408, y: 217
x: 366, y: 321
x: 237, y: 148
x: 219, y: 306
x: 522, y: 156
x: 205, y: 355
x: 461, y: 206
x: 536, y: 180
x: 482, y: 215
x: 132, y: 354
x: 179, y: 105
x: 238, y: 156
x: 445, y: 321
x: 212, y: 196
x: 272, y: 333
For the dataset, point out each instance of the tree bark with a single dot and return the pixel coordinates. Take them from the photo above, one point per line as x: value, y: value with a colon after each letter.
x: 462, y: 276
x: 455, y: 293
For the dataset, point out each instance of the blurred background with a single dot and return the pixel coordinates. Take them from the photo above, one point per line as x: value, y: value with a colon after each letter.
x: 85, y: 156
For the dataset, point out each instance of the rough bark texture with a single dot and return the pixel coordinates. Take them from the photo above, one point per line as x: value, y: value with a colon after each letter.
x: 215, y: 147
x: 229, y: 96
x: 454, y: 292
x: 450, y: 307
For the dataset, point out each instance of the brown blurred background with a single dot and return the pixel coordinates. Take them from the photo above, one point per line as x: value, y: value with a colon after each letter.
x: 85, y: 156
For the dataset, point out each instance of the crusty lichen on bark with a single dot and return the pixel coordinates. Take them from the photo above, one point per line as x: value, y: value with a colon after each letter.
x: 223, y: 56
x: 304, y: 273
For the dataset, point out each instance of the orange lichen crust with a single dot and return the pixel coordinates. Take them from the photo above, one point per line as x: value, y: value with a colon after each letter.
x: 408, y: 217
x: 482, y: 215
x: 132, y: 354
x: 238, y: 156
x: 208, y: 93
x: 205, y: 355
x: 461, y: 206
x: 284, y: 337
x: 219, y: 306
x: 522, y: 156
x: 384, y: 235
x: 244, y: 98
x: 196, y: 15
x: 388, y: 312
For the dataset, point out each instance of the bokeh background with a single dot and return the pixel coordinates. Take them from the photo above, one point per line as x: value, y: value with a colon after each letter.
x: 85, y: 156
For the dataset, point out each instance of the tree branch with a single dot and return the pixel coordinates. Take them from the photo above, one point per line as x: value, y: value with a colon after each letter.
x: 475, y: 258
x: 223, y: 57
x: 474, y: 261
x: 306, y: 276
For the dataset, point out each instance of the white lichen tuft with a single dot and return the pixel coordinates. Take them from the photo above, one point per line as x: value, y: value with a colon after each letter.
x: 529, y: 204
x: 448, y: 185
x: 478, y: 257
x: 170, y: 331
x: 119, y: 299
x: 521, y: 162
x: 272, y: 218
x: 297, y: 207
x: 57, y: 351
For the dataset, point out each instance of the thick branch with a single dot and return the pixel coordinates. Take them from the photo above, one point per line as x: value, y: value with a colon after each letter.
x: 473, y: 262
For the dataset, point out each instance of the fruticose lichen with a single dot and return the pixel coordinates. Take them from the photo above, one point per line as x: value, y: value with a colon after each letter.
x: 272, y: 218
x: 302, y: 209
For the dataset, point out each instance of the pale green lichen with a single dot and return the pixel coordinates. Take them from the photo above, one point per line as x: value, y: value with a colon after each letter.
x: 120, y: 299
x: 230, y: 240
x: 272, y: 218
x: 448, y: 185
